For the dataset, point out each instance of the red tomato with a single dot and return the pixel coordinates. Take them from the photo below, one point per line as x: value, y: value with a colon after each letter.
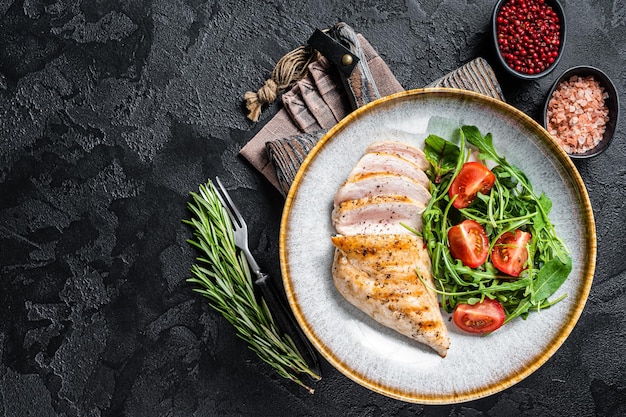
x: 469, y: 243
x: 510, y: 253
x: 479, y: 318
x: 473, y: 178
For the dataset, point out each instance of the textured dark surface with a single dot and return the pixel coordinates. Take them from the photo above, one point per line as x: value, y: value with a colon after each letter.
x: 111, y: 112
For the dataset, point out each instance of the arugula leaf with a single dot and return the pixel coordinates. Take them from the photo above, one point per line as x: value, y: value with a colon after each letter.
x: 522, y: 308
x: 545, y: 203
x: 505, y: 177
x: 442, y: 155
x: 484, y: 144
x: 550, y: 277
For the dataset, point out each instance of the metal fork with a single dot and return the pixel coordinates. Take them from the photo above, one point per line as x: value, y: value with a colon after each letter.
x: 285, y: 321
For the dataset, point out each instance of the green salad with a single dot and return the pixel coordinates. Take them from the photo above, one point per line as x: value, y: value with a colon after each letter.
x: 495, y: 253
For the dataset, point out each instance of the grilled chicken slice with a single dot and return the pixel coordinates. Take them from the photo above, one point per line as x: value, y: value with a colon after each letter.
x: 380, y: 183
x: 376, y: 257
x: 401, y: 149
x: 376, y: 274
x: 378, y: 215
x: 382, y: 162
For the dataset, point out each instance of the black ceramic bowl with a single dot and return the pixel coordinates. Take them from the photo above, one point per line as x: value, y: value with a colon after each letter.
x: 612, y: 103
x: 558, y: 9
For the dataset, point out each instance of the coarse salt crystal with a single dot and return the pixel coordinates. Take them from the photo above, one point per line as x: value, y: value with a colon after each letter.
x: 577, y: 114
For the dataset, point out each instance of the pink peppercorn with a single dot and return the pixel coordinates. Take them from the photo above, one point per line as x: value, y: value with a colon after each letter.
x: 528, y: 35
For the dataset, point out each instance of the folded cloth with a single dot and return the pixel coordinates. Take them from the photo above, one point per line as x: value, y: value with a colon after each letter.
x: 299, y: 116
x: 320, y: 100
x: 326, y: 80
x: 287, y: 154
x: 477, y: 75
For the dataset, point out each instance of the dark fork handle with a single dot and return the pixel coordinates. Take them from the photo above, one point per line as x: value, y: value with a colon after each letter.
x: 286, y: 322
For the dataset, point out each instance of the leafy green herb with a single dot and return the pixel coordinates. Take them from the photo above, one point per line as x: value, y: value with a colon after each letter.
x: 550, y: 278
x: 511, y: 204
x: 442, y: 154
x: 223, y: 276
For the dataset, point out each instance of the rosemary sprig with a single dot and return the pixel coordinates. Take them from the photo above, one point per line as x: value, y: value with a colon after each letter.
x: 223, y: 276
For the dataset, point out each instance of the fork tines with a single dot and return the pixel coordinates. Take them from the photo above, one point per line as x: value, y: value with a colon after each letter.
x: 234, y: 214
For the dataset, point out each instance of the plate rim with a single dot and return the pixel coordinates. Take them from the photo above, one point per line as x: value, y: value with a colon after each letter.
x: 560, y: 336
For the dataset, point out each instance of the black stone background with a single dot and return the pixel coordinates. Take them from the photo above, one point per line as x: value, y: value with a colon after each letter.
x: 111, y: 112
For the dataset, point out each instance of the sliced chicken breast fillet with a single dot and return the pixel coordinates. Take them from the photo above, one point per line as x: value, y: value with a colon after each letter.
x: 377, y: 274
x: 378, y: 215
x: 402, y: 149
x: 375, y: 184
x: 382, y: 162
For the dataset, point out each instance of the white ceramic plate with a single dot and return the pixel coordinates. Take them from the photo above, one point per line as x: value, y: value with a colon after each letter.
x: 379, y: 358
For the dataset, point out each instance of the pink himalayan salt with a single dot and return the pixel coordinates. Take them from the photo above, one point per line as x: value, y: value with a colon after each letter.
x: 577, y: 114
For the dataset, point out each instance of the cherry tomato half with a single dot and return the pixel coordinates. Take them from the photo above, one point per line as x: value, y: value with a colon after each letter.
x: 510, y: 253
x: 469, y: 243
x: 473, y: 178
x: 483, y: 317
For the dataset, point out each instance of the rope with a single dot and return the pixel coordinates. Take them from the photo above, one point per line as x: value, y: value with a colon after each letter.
x: 288, y: 70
